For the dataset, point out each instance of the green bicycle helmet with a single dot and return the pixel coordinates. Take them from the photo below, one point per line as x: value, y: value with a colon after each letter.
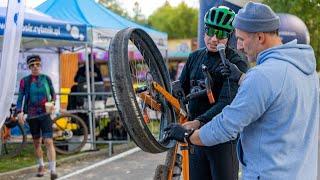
x: 220, y: 18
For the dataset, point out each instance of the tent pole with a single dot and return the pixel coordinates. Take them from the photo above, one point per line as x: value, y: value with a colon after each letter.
x: 93, y: 95
x: 89, y: 97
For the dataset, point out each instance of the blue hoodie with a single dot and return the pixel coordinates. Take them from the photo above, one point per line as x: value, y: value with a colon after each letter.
x: 276, y: 112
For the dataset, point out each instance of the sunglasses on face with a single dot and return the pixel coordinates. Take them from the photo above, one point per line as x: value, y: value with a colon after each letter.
x: 220, y: 34
x: 34, y: 65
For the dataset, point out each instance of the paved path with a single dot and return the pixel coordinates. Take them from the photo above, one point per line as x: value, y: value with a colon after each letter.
x: 133, y: 165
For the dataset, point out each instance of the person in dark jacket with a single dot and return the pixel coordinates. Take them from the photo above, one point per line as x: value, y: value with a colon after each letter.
x: 217, y: 162
x: 80, y: 76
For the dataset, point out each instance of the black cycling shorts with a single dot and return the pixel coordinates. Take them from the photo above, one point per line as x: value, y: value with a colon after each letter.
x: 41, y: 126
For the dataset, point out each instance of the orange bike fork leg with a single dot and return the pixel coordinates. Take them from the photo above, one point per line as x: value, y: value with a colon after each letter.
x: 185, y: 161
x: 185, y: 154
x: 185, y: 157
x: 171, y: 159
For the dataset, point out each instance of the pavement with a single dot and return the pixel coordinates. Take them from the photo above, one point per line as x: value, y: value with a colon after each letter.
x: 134, y: 164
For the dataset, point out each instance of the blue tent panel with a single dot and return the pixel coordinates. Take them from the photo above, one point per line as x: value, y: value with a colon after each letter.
x: 90, y: 13
x: 42, y: 26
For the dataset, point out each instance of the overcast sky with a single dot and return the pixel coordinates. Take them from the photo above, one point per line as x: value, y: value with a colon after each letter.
x: 147, y: 6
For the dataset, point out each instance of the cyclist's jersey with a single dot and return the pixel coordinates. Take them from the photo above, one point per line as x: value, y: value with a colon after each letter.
x: 37, y: 90
x: 200, y: 108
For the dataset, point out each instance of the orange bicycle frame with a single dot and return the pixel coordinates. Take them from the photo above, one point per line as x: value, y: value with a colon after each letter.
x: 5, y: 134
x: 182, y: 119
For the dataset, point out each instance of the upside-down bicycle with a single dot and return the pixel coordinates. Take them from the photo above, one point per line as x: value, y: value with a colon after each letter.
x: 144, y: 97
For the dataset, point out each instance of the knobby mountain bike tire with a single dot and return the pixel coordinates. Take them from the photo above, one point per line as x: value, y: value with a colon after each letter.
x: 124, y: 75
x: 70, y: 133
x: 13, y: 145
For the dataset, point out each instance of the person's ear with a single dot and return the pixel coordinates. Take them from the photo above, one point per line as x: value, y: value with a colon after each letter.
x: 261, y: 37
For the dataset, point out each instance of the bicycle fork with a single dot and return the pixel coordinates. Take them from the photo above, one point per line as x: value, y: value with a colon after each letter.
x: 176, y: 162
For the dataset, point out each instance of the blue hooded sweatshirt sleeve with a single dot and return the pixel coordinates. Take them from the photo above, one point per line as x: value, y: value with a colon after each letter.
x: 276, y: 112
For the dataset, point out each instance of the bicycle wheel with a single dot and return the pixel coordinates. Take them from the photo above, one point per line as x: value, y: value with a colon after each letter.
x: 144, y: 124
x: 70, y: 133
x: 13, y: 140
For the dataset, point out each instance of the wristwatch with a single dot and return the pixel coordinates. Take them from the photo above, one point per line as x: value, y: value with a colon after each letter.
x: 188, y: 134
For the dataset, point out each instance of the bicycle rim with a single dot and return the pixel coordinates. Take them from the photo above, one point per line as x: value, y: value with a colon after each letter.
x: 126, y: 74
x: 12, y: 145
x: 70, y: 133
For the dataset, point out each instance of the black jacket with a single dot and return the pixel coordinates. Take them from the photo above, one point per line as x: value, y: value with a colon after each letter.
x: 200, y: 108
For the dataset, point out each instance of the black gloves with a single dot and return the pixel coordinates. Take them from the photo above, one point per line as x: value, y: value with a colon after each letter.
x: 230, y: 70
x: 177, y: 132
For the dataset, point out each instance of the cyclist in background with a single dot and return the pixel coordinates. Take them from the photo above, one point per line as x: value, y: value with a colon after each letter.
x: 36, y: 89
x: 217, y: 162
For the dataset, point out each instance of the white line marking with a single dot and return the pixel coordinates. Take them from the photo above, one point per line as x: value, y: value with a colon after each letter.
x: 124, y: 154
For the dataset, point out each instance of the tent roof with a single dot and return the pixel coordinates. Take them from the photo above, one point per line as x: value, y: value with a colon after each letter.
x: 32, y: 14
x: 38, y: 27
x: 90, y: 13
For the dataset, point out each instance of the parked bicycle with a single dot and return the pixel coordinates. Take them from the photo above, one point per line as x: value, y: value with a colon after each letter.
x: 12, y: 136
x: 70, y: 135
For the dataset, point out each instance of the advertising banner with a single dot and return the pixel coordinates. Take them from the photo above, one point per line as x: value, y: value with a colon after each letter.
x: 10, y: 47
x: 50, y: 30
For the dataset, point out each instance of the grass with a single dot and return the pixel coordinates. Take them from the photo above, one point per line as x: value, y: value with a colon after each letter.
x: 154, y: 127
x: 25, y: 159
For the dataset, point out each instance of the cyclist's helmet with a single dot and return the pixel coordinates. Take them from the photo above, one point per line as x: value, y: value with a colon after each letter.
x: 220, y: 18
x: 32, y: 58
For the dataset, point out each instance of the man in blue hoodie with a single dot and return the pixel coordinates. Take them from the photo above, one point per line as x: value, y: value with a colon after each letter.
x: 276, y: 109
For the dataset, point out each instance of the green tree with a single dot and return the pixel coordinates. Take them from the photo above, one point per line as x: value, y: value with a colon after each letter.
x: 178, y: 22
x: 137, y: 15
x: 114, y: 6
x: 308, y: 11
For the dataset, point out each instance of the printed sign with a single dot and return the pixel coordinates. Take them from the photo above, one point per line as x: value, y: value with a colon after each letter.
x: 33, y: 28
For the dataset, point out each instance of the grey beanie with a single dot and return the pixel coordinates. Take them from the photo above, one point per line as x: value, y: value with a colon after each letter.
x: 256, y: 17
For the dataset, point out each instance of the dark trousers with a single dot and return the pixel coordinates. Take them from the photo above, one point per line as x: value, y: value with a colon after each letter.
x: 217, y: 162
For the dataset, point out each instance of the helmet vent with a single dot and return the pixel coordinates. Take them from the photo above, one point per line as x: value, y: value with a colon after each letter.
x: 213, y: 14
x: 219, y: 16
x: 225, y: 21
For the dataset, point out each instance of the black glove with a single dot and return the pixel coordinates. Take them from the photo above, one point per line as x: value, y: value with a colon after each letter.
x: 177, y: 132
x: 230, y: 70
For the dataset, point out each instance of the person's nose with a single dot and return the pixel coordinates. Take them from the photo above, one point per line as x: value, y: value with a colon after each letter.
x: 213, y: 38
